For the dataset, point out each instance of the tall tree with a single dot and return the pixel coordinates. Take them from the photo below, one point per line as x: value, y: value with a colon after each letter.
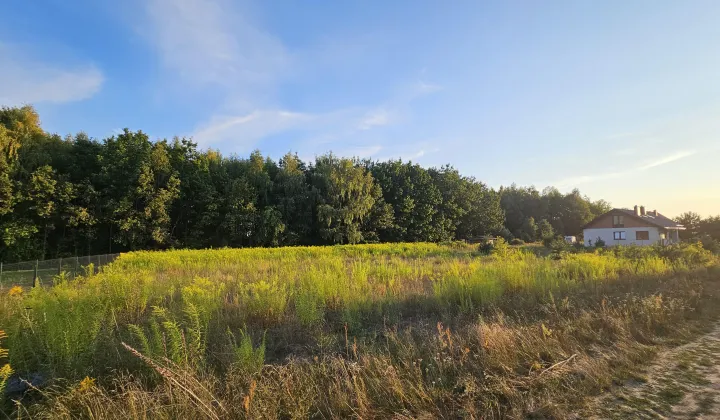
x: 139, y: 187
x: 692, y: 222
x: 77, y: 195
x: 345, y: 194
x: 414, y: 197
x: 292, y: 198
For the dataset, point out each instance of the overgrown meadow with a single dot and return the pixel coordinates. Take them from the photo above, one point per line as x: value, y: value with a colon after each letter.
x: 367, y: 331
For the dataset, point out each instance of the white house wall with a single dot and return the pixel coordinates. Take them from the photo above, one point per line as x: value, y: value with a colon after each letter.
x: 607, y: 235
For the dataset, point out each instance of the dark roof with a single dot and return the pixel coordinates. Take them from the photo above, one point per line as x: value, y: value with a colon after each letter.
x: 659, y: 220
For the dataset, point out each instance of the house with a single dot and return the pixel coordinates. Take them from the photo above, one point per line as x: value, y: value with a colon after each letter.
x: 628, y: 227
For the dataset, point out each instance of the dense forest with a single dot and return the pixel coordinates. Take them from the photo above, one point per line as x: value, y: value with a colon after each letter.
x: 79, y: 196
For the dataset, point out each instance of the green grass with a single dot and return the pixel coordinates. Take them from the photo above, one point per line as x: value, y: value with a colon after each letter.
x: 368, y: 331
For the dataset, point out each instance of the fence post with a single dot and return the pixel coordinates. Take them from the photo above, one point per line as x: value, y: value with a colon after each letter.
x: 35, y: 274
x: 76, y: 267
x: 60, y: 266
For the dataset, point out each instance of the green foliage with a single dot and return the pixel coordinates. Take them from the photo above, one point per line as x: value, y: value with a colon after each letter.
x: 691, y: 221
x: 414, y: 198
x: 81, y: 196
x: 223, y: 314
x: 566, y: 213
x: 559, y: 247
x: 500, y: 248
x: 248, y: 358
x: 545, y: 230
x: 346, y: 194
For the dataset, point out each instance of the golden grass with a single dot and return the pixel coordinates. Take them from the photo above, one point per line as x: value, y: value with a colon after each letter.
x: 393, y: 330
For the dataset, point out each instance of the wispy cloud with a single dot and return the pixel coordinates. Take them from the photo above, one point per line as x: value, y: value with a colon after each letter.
x: 584, y: 179
x: 375, y: 118
x: 212, y: 45
x: 362, y: 151
x: 25, y: 80
x: 241, y: 133
x: 667, y: 159
x: 209, y: 42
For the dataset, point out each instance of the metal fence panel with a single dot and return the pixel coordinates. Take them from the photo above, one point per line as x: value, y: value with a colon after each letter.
x: 47, y: 272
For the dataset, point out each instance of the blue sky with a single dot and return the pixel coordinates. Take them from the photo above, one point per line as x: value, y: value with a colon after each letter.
x: 618, y: 98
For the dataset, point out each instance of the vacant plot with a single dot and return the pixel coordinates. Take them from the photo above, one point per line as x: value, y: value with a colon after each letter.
x: 403, y: 330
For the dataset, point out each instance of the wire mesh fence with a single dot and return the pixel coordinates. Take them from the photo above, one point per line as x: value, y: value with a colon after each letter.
x: 43, y: 273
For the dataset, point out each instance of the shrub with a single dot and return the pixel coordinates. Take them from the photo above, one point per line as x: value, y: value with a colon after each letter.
x: 548, y: 240
x: 248, y: 358
x: 599, y: 243
x: 558, y: 247
x: 517, y: 241
x: 712, y: 245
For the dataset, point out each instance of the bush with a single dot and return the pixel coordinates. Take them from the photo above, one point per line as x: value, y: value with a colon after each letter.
x: 505, y: 233
x: 559, y: 247
x: 599, y: 243
x: 710, y: 244
x: 548, y: 240
x: 500, y: 247
x: 517, y: 241
x: 685, y: 254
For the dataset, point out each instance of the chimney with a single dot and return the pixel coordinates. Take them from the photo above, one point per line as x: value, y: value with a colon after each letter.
x: 642, y: 210
x: 653, y: 213
x: 637, y: 210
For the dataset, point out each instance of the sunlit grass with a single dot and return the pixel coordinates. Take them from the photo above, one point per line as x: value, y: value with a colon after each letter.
x: 230, y: 310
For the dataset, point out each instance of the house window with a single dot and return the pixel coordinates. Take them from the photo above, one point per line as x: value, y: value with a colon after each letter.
x: 642, y: 235
x: 618, y: 221
x: 619, y: 236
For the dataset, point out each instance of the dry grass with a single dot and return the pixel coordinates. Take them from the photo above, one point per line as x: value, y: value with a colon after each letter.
x: 385, y: 331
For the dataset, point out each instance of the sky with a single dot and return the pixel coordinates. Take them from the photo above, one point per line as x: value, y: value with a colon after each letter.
x: 618, y: 98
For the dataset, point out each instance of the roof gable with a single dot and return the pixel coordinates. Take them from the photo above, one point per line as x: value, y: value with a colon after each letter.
x: 649, y: 219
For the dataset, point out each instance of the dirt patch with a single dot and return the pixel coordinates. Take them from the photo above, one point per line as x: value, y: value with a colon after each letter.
x: 683, y: 383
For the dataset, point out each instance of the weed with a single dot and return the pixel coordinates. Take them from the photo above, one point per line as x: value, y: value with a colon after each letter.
x: 371, y: 331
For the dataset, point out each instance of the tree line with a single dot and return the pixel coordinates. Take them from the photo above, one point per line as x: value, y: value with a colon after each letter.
x: 79, y: 196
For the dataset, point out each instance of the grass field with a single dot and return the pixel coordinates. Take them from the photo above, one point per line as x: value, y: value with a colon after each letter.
x: 367, y: 331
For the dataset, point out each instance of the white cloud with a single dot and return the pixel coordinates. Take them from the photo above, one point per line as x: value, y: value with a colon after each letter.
x: 667, y: 159
x: 417, y: 155
x: 583, y: 179
x: 208, y: 42
x: 408, y: 153
x: 424, y: 88
x: 24, y: 80
x: 241, y: 133
x: 214, y: 46
x: 375, y: 118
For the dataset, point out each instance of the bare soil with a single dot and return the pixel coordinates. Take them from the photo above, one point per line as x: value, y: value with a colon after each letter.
x: 683, y: 383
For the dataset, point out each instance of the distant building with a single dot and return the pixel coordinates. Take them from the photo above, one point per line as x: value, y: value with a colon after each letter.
x: 570, y: 239
x: 628, y: 227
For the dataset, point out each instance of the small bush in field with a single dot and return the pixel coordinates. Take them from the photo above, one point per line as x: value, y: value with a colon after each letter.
x: 559, y: 247
x: 248, y: 358
x: 500, y: 248
x: 517, y: 241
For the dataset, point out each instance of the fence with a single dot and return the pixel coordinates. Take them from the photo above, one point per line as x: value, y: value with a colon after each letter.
x: 27, y: 272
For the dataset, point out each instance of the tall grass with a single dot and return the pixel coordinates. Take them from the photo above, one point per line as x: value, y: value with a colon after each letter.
x: 360, y: 320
